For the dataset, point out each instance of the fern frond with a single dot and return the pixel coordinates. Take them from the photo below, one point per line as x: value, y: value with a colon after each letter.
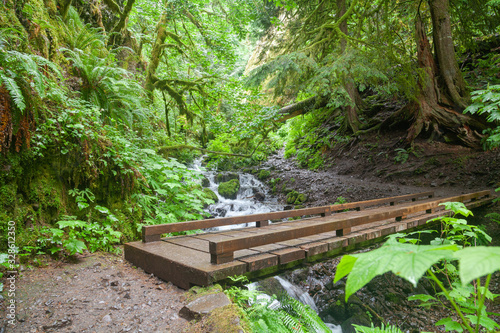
x: 372, y: 329
x: 15, y: 92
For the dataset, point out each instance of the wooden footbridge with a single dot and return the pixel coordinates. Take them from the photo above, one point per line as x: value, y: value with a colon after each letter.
x: 321, y: 232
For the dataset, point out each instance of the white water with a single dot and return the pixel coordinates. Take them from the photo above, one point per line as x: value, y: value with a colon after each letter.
x: 245, y: 202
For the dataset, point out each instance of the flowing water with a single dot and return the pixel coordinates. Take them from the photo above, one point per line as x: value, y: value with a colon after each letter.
x: 247, y: 203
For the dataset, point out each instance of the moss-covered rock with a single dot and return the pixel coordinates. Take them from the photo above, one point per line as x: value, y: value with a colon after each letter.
x: 205, y: 182
x: 227, y: 176
x: 263, y: 174
x: 209, y: 194
x: 295, y: 198
x: 229, y: 189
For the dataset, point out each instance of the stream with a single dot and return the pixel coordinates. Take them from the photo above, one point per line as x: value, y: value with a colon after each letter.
x: 246, y: 203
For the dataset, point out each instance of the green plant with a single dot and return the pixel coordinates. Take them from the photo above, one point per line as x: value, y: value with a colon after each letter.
x: 464, y: 289
x: 487, y: 102
x: 340, y: 200
x: 402, y: 155
x: 372, y: 329
x: 75, y: 236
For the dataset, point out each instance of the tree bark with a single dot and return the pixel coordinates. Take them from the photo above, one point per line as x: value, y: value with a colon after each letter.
x: 294, y: 110
x: 161, y: 35
x: 449, y: 72
x: 352, y: 121
x: 426, y: 113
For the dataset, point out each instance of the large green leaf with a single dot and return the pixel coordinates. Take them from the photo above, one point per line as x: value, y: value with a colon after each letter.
x: 477, y: 261
x: 344, y: 267
x: 408, y: 261
x: 74, y: 246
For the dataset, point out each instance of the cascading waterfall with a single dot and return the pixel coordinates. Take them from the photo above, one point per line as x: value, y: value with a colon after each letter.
x: 245, y: 202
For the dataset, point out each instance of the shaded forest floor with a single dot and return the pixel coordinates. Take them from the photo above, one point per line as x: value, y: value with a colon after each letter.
x: 104, y: 293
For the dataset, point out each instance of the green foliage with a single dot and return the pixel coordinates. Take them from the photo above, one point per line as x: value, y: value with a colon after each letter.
x: 372, y: 329
x: 25, y: 75
x: 411, y: 262
x: 75, y: 236
x: 110, y: 88
x: 340, y: 200
x: 263, y: 174
x: 487, y: 102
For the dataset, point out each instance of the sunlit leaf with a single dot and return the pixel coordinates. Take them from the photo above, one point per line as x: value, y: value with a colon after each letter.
x: 477, y: 261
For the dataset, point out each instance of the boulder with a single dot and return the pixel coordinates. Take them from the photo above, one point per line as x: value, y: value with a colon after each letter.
x: 229, y: 189
x: 259, y: 196
x: 205, y: 182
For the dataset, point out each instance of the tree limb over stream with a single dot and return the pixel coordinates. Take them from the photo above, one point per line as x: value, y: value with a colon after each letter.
x: 294, y: 110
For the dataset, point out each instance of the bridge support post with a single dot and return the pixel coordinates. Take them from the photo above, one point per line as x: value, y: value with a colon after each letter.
x: 221, y: 258
x: 262, y: 223
x: 342, y: 232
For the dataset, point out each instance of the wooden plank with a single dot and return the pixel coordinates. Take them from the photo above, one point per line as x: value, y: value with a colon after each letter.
x: 290, y: 254
x: 331, y: 223
x: 148, y: 231
x: 314, y: 248
x: 182, y: 266
x: 260, y: 261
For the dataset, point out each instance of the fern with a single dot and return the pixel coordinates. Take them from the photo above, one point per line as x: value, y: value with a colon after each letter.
x: 15, y: 92
x: 290, y: 316
x: 372, y: 329
x: 107, y: 87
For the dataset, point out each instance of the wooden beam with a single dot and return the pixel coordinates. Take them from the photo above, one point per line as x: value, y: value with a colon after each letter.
x: 328, y: 223
x: 150, y: 230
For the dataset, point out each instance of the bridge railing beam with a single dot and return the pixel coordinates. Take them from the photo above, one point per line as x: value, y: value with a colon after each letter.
x: 152, y: 233
x: 223, y: 251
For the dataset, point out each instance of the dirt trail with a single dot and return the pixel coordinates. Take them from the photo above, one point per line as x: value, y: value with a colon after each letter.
x: 99, y: 293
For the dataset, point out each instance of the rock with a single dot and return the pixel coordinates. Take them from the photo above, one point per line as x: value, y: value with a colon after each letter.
x: 221, y: 212
x: 209, y: 194
x: 107, y: 319
x: 203, y: 305
x: 360, y: 319
x: 227, y: 176
x: 205, y: 182
x: 229, y: 189
x: 259, y: 196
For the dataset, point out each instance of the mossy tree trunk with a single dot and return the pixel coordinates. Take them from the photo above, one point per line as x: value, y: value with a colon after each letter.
x: 351, y: 111
x: 432, y: 110
x: 156, y: 51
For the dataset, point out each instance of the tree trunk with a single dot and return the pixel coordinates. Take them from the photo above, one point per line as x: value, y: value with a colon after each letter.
x: 426, y: 113
x: 351, y: 111
x: 161, y: 35
x: 449, y: 72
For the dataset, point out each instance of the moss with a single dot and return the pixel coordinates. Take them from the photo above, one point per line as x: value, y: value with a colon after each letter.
x: 229, y: 189
x: 263, y: 174
x: 209, y: 194
x: 224, y: 177
x: 228, y: 319
x: 295, y: 198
